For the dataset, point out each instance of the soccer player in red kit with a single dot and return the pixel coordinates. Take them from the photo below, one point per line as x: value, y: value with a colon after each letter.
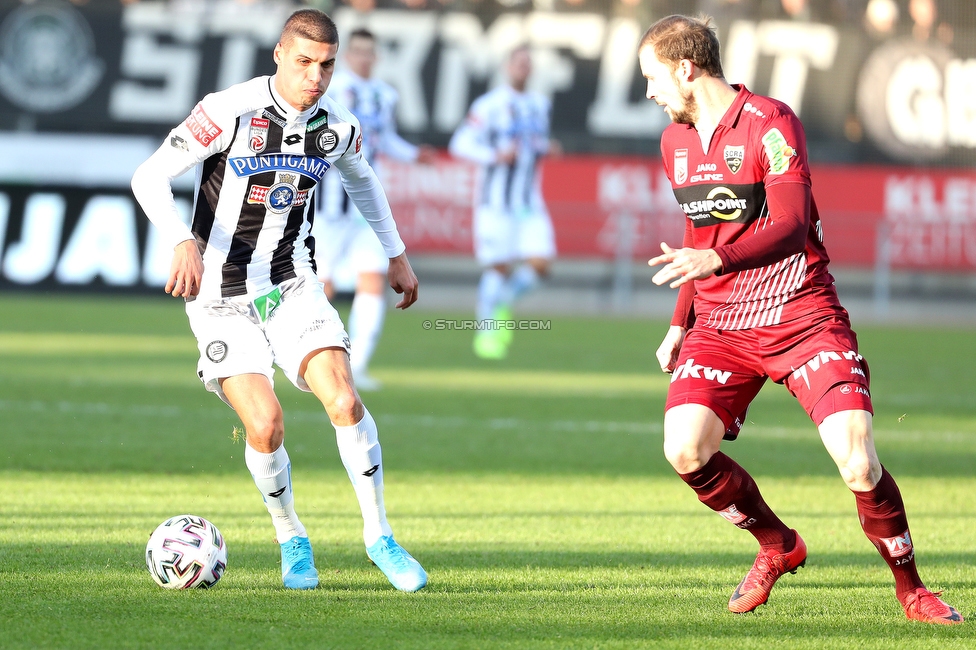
x: 756, y: 301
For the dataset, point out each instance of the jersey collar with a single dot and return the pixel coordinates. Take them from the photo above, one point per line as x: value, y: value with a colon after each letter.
x: 731, y: 117
x: 289, y: 112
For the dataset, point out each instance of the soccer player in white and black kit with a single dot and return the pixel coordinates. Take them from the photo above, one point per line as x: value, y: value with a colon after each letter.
x: 506, y: 131
x: 345, y: 244
x: 245, y: 269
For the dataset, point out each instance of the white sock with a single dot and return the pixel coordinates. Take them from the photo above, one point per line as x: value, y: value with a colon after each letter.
x: 359, y: 449
x: 365, y: 326
x: 523, y: 280
x: 489, y: 291
x: 272, y: 475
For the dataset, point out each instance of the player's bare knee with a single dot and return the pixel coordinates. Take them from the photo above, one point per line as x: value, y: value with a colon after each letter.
x: 345, y: 408
x: 861, y: 472
x: 683, y: 455
x: 265, y: 431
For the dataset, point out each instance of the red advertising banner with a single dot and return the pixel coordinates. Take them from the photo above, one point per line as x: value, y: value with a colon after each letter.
x: 605, y: 207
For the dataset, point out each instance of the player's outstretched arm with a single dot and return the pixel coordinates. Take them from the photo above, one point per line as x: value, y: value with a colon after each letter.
x: 403, y: 280
x: 667, y: 353
x: 684, y: 265
x: 186, y: 270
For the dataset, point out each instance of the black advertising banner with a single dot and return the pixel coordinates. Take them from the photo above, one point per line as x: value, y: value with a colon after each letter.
x: 84, y: 238
x: 864, y: 95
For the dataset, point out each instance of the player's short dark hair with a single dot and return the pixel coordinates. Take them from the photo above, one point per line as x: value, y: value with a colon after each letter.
x: 681, y: 37
x: 310, y: 24
x: 362, y: 32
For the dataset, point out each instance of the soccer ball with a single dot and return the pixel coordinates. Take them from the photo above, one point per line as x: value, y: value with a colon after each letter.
x: 186, y: 552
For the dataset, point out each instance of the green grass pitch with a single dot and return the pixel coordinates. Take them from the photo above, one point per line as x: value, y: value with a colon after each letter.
x: 533, y: 490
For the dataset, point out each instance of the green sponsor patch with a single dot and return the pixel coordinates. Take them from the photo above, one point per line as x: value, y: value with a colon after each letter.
x: 311, y: 126
x: 778, y: 151
x: 265, y: 305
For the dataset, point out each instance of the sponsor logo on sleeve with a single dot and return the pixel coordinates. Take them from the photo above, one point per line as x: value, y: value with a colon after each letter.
x: 734, y: 155
x: 179, y: 143
x: 359, y: 143
x: 778, y: 151
x: 201, y: 126
x: 257, y: 137
x: 680, y: 166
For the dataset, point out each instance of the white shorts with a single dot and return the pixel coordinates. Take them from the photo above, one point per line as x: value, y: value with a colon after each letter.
x: 233, y: 339
x: 346, y: 247
x: 503, y: 238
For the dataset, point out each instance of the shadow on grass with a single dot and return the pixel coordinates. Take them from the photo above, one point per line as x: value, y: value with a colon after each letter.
x: 81, y: 595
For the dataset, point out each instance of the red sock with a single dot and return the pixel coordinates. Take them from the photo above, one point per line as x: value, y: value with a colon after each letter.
x: 883, y: 519
x: 726, y: 488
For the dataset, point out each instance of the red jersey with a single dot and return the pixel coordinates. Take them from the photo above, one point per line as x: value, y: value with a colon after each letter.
x: 758, y: 144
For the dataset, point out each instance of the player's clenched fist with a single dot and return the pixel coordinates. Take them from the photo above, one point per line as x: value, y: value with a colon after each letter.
x: 185, y: 271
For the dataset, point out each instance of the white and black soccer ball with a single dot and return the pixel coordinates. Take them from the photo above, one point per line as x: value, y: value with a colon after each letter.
x: 186, y: 552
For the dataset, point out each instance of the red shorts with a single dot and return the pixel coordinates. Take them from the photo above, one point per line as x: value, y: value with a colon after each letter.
x: 818, y: 362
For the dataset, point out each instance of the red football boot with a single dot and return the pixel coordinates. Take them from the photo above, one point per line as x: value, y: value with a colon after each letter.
x: 923, y: 605
x: 754, y: 589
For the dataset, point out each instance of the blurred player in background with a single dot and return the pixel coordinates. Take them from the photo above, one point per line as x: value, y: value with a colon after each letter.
x: 507, y: 133
x: 244, y: 267
x: 344, y: 242
x: 756, y: 301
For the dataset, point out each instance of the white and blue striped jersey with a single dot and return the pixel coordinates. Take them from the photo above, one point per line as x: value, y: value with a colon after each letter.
x: 373, y: 102
x: 497, y: 120
x: 258, y: 162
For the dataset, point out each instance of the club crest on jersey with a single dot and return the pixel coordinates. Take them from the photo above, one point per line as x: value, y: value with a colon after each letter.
x: 217, y: 351
x: 327, y: 141
x: 680, y: 166
x: 778, y: 151
x: 257, y: 137
x: 280, y: 197
x: 734, y: 155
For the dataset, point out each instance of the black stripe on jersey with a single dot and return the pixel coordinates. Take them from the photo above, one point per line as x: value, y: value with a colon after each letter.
x: 275, y: 131
x: 310, y: 241
x: 249, y: 225
x: 352, y: 138
x: 282, y: 260
x: 311, y: 139
x: 509, y: 179
x: 251, y: 220
x: 530, y: 185
x: 205, y: 202
x: 490, y: 171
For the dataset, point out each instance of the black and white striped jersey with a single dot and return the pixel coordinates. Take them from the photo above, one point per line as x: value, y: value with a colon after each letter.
x: 258, y: 161
x: 499, y: 119
x: 373, y: 102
